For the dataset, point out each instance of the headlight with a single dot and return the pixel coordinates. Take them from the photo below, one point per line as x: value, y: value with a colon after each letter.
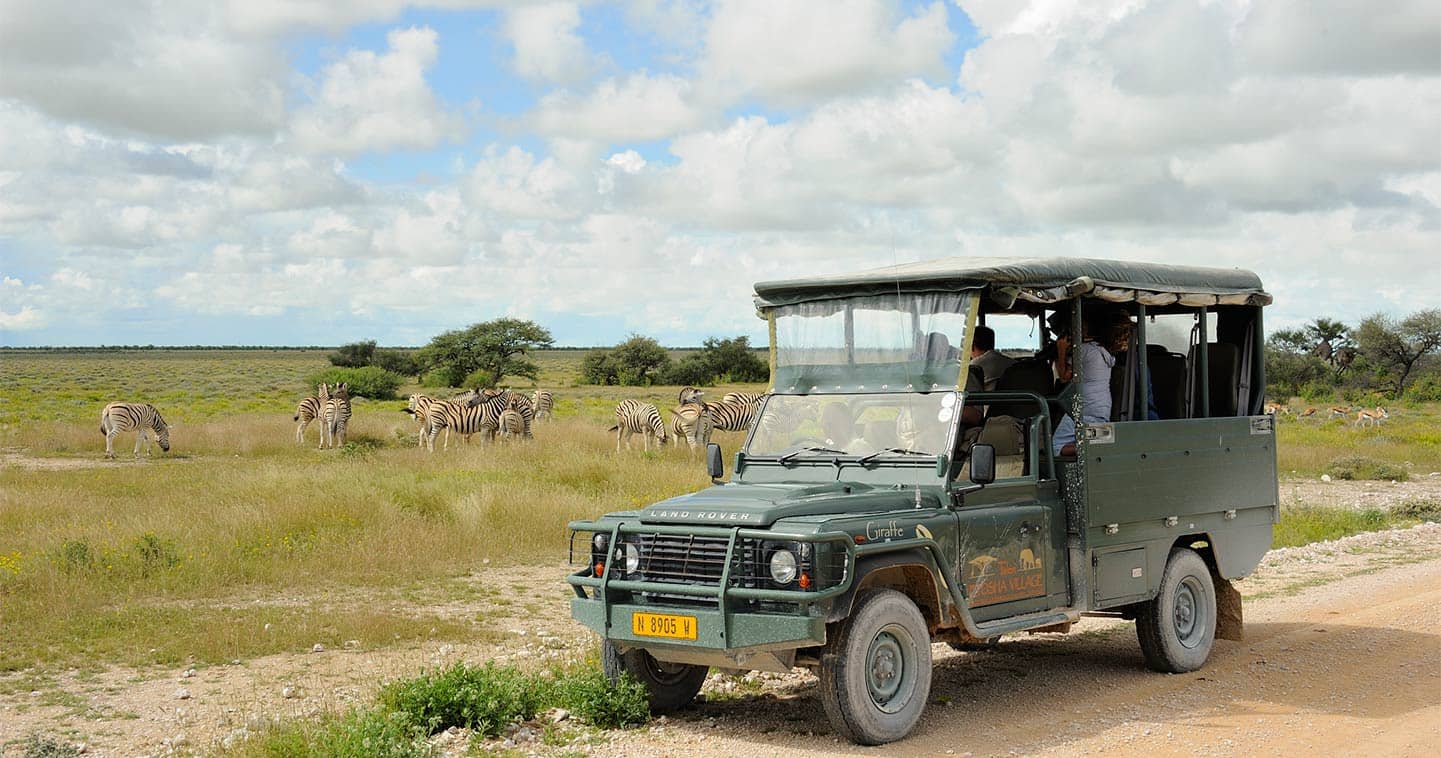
x: 631, y: 554
x: 599, y: 541
x: 783, y: 566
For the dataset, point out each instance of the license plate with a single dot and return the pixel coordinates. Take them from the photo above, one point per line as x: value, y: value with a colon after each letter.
x: 663, y: 625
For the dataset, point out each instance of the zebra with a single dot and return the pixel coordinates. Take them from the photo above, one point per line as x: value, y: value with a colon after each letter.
x: 635, y: 417
x: 742, y: 398
x: 692, y: 423
x: 732, y: 417
x: 522, y: 405
x: 544, y: 402
x: 142, y: 417
x: 690, y: 395
x: 417, y: 408
x: 336, y: 417
x: 480, y: 414
x: 512, y: 424
x: 310, y: 409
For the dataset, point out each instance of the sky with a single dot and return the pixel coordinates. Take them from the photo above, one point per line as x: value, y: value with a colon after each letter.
x: 296, y: 172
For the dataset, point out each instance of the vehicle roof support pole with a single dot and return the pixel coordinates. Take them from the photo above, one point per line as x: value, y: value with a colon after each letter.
x: 1144, y: 380
x: 1204, y: 346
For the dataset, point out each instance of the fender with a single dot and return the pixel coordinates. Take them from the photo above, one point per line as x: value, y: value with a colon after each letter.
x: 914, y: 557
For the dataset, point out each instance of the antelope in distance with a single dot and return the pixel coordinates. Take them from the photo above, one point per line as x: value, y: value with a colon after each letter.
x: 1371, y: 416
x: 1339, y: 411
x: 1309, y: 412
x: 1277, y: 409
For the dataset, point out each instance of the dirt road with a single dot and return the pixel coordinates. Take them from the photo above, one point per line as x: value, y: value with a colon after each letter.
x: 1342, y: 655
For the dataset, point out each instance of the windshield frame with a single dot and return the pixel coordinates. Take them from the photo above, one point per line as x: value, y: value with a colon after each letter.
x: 915, y: 459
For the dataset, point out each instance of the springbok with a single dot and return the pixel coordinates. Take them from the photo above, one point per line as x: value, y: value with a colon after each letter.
x: 1371, y: 416
x: 1339, y: 411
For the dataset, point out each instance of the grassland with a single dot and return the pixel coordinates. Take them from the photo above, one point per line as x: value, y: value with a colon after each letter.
x: 191, y: 555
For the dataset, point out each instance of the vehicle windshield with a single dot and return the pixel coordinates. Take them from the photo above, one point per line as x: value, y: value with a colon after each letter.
x: 858, y: 424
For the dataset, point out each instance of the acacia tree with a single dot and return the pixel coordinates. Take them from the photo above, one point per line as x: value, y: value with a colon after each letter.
x: 1394, y: 348
x: 487, y: 352
x: 640, y: 360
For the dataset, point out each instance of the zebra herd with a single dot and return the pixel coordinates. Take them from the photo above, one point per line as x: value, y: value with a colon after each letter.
x: 692, y: 420
x: 505, y: 414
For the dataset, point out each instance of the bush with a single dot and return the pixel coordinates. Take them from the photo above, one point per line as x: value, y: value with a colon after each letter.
x: 589, y: 694
x: 442, y: 377
x: 1418, y: 508
x: 354, y: 355
x: 358, y: 734
x: 369, y: 382
x: 599, y: 367
x: 397, y: 362
x: 485, y: 699
x: 41, y: 746
x: 693, y: 370
x: 1427, y: 389
x: 1361, y: 467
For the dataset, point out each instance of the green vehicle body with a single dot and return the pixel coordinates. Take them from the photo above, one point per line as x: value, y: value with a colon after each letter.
x: 1035, y: 550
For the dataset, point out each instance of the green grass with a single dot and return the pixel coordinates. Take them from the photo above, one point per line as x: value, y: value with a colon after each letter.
x: 1305, y: 524
x: 1410, y: 440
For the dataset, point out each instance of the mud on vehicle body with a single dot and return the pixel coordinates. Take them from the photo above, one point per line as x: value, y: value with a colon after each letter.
x: 883, y: 500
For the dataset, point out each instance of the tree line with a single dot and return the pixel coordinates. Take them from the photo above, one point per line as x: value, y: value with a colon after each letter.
x: 1382, y: 355
x: 485, y: 354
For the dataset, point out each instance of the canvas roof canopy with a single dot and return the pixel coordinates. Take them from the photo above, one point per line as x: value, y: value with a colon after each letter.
x: 1034, y: 280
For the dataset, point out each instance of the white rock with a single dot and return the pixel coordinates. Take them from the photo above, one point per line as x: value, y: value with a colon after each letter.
x: 447, y: 649
x: 188, y: 673
x: 317, y: 648
x: 268, y: 627
x: 352, y: 644
x: 559, y: 715
x: 289, y: 692
x: 182, y: 694
x: 1325, y: 477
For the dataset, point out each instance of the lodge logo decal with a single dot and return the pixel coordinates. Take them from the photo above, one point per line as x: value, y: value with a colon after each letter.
x: 923, y: 533
x: 991, y: 580
x: 887, y: 531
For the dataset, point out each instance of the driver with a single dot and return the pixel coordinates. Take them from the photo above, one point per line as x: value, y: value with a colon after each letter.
x: 840, y: 429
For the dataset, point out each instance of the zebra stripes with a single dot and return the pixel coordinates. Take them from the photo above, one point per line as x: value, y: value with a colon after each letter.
x: 310, y: 409
x: 480, y: 414
x: 544, y: 402
x: 512, y: 424
x: 336, y: 417
x: 141, y: 417
x: 742, y: 398
x: 635, y: 417
x: 522, y: 405
x: 731, y: 417
x: 418, y: 407
x: 691, y: 422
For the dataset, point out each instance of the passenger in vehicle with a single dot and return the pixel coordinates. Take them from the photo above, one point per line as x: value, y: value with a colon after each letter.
x: 936, y: 348
x: 840, y: 429
x: 984, y: 356
x: 1121, y: 331
x: 1095, y: 388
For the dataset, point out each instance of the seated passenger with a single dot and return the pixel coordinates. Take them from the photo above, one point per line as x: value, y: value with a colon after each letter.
x: 840, y: 430
x: 1095, y: 388
x: 984, y: 356
x: 936, y: 348
x: 1121, y: 332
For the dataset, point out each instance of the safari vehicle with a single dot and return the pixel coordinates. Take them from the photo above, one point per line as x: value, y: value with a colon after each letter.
x: 880, y: 505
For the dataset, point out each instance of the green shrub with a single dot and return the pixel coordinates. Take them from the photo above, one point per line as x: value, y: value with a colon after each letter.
x: 1427, y: 389
x: 40, y: 746
x: 590, y: 695
x: 357, y: 734
x: 442, y: 377
x: 1361, y: 467
x: 75, y: 555
x: 1420, y: 509
x: 368, y: 382
x: 484, y: 699
x: 397, y: 362
x: 155, y: 553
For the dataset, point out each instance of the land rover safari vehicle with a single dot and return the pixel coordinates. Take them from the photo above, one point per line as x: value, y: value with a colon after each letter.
x: 881, y: 503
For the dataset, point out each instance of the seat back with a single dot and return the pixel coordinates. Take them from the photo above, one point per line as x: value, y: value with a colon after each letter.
x: 1025, y: 375
x: 1168, y: 379
x: 1224, y: 362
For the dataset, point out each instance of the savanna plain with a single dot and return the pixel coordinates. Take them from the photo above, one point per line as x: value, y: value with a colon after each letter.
x: 210, y: 598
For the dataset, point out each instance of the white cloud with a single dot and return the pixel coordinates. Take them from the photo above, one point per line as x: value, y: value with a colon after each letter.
x: 637, y: 108
x: 547, y: 49
x: 370, y: 102
x: 21, y: 320
x: 513, y: 183
x: 798, y: 52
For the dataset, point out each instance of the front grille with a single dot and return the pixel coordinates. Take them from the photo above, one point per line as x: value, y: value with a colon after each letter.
x: 682, y: 559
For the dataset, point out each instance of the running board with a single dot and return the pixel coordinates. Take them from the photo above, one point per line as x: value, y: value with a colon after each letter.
x: 1022, y: 623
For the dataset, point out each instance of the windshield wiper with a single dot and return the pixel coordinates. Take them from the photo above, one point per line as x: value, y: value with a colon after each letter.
x: 898, y: 450
x: 792, y: 455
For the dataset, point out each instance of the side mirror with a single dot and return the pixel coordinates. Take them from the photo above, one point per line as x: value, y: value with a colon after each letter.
x: 983, y: 464
x: 713, y: 463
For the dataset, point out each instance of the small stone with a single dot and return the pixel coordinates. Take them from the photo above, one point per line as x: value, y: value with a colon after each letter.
x: 235, y: 662
x: 317, y: 648
x: 1325, y: 477
x: 268, y: 627
x: 485, y: 562
x: 447, y: 649
x: 352, y: 644
x: 188, y: 673
x: 289, y: 693
x: 81, y: 748
x: 559, y: 715
x: 182, y: 694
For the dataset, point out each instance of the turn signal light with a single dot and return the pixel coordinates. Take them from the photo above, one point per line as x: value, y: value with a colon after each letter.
x: 804, y: 581
x: 599, y: 569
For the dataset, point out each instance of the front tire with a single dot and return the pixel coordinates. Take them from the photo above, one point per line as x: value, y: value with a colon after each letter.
x: 671, y: 686
x: 875, y: 672
x: 1177, y: 629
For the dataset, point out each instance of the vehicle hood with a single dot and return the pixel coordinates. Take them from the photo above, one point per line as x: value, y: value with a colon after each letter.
x: 760, y: 505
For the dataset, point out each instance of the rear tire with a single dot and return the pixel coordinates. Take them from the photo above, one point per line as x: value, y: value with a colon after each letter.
x: 1177, y: 629
x: 875, y: 672
x: 671, y: 686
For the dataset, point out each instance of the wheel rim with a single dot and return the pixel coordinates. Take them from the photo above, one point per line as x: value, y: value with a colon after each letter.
x: 891, y: 669
x: 665, y: 673
x: 1190, y: 613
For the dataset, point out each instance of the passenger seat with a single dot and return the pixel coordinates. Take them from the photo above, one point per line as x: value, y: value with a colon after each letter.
x: 1224, y: 361
x: 1168, y: 379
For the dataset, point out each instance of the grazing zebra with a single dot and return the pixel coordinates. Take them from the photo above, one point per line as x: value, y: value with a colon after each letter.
x: 689, y: 395
x: 544, y: 402
x: 419, y: 405
x: 310, y: 409
x: 336, y: 417
x: 512, y: 424
x: 480, y: 414
x: 732, y: 417
x: 691, y: 422
x: 635, y: 417
x: 742, y: 398
x: 141, y: 417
